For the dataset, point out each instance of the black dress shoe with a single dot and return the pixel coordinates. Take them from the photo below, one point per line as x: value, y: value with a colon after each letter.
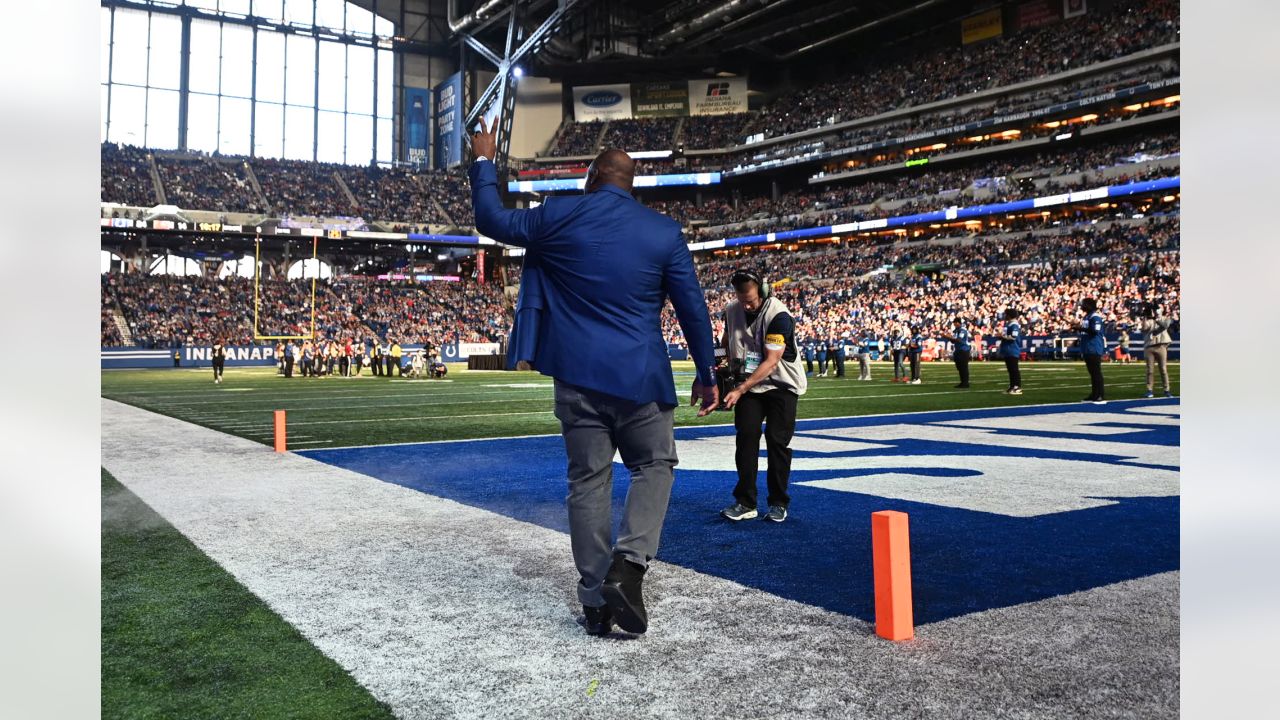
x: 622, y: 592
x: 598, y: 620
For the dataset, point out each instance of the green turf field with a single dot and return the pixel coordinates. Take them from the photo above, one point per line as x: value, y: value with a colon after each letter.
x: 181, y: 638
x: 334, y: 411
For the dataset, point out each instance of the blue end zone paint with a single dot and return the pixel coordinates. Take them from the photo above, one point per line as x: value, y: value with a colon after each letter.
x: 963, y: 561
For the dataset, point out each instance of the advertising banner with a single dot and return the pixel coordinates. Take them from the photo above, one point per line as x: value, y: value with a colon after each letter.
x: 718, y: 96
x: 454, y: 352
x: 660, y: 99
x: 982, y: 26
x: 449, y: 117
x: 417, y: 124
x: 602, y: 102
x: 1036, y: 13
x: 192, y: 356
x: 1072, y: 8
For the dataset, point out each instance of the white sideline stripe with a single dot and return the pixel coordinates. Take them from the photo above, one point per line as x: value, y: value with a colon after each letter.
x: 816, y: 399
x: 445, y: 610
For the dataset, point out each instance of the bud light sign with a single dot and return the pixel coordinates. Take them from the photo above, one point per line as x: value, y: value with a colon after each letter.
x: 417, y: 118
x: 449, y: 122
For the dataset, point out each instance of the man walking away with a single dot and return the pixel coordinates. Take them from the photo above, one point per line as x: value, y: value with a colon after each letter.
x: 607, y: 267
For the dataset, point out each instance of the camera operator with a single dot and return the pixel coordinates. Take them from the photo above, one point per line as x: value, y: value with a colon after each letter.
x: 759, y: 338
x: 1155, y: 346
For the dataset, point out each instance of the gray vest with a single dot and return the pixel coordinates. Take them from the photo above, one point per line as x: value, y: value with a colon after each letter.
x: 788, y: 375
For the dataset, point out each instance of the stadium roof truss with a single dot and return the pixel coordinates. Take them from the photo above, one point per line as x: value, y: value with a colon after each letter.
x: 501, y: 90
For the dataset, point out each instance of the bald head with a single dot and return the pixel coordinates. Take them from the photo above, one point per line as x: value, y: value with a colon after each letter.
x: 611, y: 167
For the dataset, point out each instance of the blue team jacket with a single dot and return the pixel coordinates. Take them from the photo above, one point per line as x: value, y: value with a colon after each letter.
x: 606, y: 266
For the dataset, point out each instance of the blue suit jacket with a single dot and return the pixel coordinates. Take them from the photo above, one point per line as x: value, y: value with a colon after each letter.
x: 606, y: 266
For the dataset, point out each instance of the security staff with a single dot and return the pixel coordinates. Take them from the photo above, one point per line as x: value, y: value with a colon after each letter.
x: 1093, y: 345
x: 759, y: 339
x: 1011, y: 350
x: 915, y: 344
x: 394, y: 359
x: 219, y: 360
x: 836, y: 345
x: 809, y: 352
x: 962, y: 353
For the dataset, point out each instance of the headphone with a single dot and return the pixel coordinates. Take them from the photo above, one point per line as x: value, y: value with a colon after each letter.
x: 741, y: 275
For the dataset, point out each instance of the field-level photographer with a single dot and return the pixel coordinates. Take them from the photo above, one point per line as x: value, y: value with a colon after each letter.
x: 759, y: 336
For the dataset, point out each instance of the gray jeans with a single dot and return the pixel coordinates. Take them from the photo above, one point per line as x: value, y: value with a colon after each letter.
x: 595, y: 426
x: 864, y: 366
x: 1157, y: 355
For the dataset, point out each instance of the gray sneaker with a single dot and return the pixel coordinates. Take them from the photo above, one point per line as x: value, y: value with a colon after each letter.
x: 738, y: 511
x: 776, y: 514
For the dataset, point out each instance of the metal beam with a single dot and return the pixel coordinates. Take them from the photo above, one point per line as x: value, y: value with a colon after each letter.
x: 861, y: 28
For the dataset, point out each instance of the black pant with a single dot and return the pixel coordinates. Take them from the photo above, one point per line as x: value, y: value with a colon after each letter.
x: 376, y: 364
x: 808, y: 365
x: 217, y: 368
x: 1094, y: 363
x: 777, y: 408
x: 388, y: 361
x: 915, y: 365
x: 288, y: 366
x: 839, y: 364
x: 1015, y: 375
x: 962, y: 358
x: 344, y: 366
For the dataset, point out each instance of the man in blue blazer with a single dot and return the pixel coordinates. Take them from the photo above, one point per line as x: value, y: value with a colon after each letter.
x: 605, y: 267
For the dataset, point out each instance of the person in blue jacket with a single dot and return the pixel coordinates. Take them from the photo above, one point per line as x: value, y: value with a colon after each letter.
x: 835, y: 348
x: 607, y: 266
x: 822, y: 356
x: 962, y: 350
x: 1093, y: 345
x: 1010, y: 350
x: 809, y: 353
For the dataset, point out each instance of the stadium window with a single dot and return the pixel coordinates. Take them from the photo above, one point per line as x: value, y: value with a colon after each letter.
x: 330, y: 145
x: 129, y: 56
x: 104, y: 57
x: 299, y: 133
x: 359, y: 139
x: 203, y: 4
x: 165, y: 51
x: 299, y: 12
x: 269, y: 131
x: 237, y: 60
x: 175, y: 265
x: 233, y: 129
x: 386, y: 77
x: 162, y: 119
x: 383, y: 27
x: 360, y: 80
x: 309, y: 268
x: 300, y: 70
x: 240, y: 267
x: 128, y: 115
x: 202, y: 122
x: 333, y: 68
x: 110, y: 262
x: 359, y: 21
x: 206, y: 40
x: 105, y: 98
x: 235, y: 7
x: 270, y: 67
x: 329, y: 14
x: 384, y: 140
x: 272, y: 10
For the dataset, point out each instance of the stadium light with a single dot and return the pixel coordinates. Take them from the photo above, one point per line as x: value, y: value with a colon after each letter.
x: 518, y: 71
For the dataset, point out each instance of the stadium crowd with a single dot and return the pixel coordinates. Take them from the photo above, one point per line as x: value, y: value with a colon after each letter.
x: 202, y: 183
x: 167, y: 311
x: 126, y: 176
x: 296, y: 187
